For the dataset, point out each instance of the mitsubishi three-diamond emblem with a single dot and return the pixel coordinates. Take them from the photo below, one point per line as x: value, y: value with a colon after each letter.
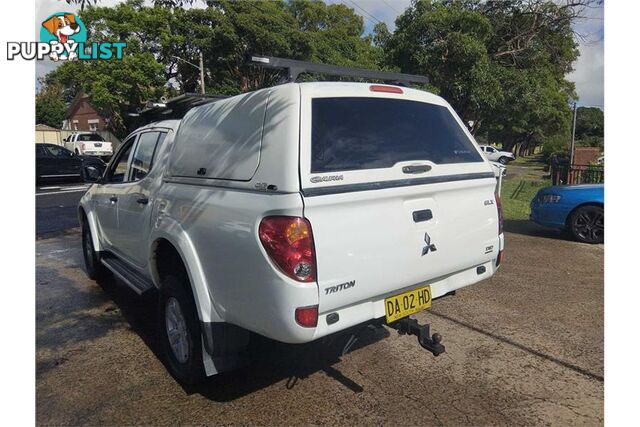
x: 430, y: 246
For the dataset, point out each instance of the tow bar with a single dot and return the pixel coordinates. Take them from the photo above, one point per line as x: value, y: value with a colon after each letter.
x: 408, y: 326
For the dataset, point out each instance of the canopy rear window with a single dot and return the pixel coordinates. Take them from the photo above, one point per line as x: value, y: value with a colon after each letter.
x: 354, y: 133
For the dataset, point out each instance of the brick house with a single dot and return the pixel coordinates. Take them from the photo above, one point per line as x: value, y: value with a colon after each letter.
x: 82, y: 116
x: 585, y: 155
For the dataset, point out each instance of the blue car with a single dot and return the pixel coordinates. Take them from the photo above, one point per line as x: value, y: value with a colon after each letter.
x: 577, y: 208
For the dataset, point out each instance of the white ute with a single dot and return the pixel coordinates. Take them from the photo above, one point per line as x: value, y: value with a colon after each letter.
x: 294, y: 212
x: 88, y: 144
x: 495, y: 155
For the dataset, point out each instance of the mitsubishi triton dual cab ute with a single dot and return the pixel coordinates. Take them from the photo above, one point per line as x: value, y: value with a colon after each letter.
x: 294, y: 212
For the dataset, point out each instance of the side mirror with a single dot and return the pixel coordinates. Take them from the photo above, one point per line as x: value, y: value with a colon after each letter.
x: 92, y: 174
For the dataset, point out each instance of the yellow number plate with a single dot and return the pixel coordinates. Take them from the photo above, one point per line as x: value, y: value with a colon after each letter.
x: 405, y: 304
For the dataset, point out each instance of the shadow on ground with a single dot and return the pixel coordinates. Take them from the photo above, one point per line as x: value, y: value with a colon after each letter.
x: 72, y: 313
x: 530, y: 228
x: 274, y: 361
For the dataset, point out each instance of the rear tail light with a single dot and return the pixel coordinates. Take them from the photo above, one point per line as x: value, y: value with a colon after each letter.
x: 500, y: 217
x: 385, y: 89
x: 289, y: 242
x: 500, y: 226
x: 307, y: 316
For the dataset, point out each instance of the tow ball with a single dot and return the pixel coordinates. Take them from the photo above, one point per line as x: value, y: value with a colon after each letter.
x: 408, y: 326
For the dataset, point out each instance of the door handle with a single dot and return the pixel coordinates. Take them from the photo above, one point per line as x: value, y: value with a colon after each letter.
x: 113, y: 199
x: 423, y: 215
x: 143, y: 200
x: 416, y: 168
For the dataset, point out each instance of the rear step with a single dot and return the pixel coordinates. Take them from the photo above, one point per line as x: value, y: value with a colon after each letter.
x: 137, y: 282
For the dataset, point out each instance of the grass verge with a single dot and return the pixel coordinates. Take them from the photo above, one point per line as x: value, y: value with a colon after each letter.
x: 517, y: 195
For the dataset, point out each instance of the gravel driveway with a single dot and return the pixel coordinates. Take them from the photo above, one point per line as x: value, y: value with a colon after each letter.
x: 525, y: 347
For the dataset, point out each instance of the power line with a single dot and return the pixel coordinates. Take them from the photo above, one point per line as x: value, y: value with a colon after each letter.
x: 364, y: 11
x: 391, y: 7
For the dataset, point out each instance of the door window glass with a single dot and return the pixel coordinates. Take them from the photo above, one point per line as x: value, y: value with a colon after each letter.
x: 119, y: 168
x: 143, y: 156
x: 58, y: 152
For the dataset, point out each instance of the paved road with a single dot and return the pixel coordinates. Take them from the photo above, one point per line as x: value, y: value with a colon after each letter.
x: 56, y: 206
x: 523, y: 348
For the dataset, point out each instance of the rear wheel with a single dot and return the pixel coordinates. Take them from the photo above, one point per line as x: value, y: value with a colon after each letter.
x: 503, y: 160
x: 180, y: 330
x: 587, y: 224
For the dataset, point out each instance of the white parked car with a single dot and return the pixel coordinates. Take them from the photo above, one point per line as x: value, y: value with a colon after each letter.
x: 88, y: 144
x: 495, y: 155
x: 295, y: 212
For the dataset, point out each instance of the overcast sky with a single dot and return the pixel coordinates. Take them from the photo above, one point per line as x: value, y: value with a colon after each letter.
x: 589, y: 68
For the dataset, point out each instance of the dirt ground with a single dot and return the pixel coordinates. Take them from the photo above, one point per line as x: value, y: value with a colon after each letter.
x: 525, y: 347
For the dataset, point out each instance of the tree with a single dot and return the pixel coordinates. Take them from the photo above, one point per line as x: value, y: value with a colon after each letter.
x: 114, y: 86
x: 83, y: 3
x: 447, y: 41
x: 159, y: 39
x: 50, y: 106
x: 590, y: 126
x: 501, y: 64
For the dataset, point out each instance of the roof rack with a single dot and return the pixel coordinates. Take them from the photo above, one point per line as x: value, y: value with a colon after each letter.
x: 295, y: 68
x: 174, y: 108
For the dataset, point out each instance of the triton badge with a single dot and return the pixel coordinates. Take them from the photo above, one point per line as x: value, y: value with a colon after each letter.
x: 430, y: 246
x: 340, y: 287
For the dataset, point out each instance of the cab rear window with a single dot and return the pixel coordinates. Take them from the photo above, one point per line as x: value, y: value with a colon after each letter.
x: 354, y: 133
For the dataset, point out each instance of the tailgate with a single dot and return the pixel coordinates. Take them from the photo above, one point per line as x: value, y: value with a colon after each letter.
x: 395, y: 189
x: 379, y: 242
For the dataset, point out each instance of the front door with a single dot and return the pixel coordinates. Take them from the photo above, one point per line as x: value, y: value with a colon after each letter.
x: 58, y: 162
x: 109, y: 192
x: 134, y: 204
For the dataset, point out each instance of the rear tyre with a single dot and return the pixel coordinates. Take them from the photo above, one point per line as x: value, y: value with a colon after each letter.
x: 587, y: 224
x: 503, y: 160
x: 180, y: 330
x: 93, y: 265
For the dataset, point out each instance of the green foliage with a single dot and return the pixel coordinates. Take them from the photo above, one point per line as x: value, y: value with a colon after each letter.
x: 50, y: 106
x: 594, y: 174
x: 590, y: 127
x: 224, y: 31
x: 447, y: 41
x: 501, y: 64
x: 83, y: 3
x: 517, y: 195
x: 556, y: 145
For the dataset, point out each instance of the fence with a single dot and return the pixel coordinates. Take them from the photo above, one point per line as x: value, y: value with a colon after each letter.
x: 577, y: 174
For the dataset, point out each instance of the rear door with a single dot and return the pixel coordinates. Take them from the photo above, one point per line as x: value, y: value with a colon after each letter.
x: 396, y: 192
